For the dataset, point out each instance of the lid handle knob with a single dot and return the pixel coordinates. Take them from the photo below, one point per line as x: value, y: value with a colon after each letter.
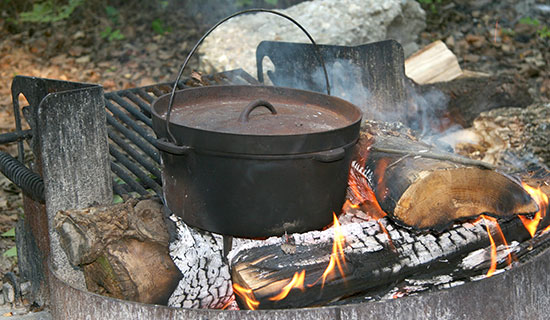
x: 253, y: 105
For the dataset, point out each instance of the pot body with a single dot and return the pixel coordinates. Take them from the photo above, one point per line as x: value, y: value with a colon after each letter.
x: 254, y: 197
x: 255, y: 184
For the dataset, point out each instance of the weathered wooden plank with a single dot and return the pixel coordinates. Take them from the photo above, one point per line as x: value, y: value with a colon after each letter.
x: 74, y: 157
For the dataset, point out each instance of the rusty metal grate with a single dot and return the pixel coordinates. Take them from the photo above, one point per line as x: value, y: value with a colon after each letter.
x: 135, y: 161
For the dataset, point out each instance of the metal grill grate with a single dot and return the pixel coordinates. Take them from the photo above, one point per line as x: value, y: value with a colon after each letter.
x: 135, y: 162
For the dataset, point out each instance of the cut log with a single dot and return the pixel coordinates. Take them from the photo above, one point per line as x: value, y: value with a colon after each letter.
x: 369, y: 260
x: 433, y: 63
x: 424, y: 188
x: 123, y: 250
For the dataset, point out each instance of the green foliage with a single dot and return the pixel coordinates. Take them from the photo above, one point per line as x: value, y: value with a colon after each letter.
x: 10, y: 253
x: 111, y: 34
x: 10, y: 233
x: 50, y: 11
x: 508, y: 32
x: 430, y: 4
x: 544, y: 32
x: 112, y: 13
x: 529, y: 21
x: 248, y: 3
x: 159, y: 28
x: 117, y: 199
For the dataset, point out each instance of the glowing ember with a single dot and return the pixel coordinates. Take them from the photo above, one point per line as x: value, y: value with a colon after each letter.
x: 247, y: 295
x: 296, y: 282
x: 379, y: 173
x: 542, y: 200
x: 361, y: 193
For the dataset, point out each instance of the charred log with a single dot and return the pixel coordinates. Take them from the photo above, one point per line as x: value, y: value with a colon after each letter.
x: 371, y: 259
x: 425, y: 188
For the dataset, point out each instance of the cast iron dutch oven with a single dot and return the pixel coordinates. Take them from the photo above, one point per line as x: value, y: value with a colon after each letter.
x: 254, y: 161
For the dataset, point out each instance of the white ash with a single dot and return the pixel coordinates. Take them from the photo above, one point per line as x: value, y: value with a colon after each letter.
x: 352, y: 230
x: 481, y: 258
x: 206, y: 281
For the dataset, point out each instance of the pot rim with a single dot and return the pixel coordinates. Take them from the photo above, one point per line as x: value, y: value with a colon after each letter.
x: 239, y: 143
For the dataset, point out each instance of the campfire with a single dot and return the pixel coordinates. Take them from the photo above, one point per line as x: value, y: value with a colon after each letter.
x: 415, y: 218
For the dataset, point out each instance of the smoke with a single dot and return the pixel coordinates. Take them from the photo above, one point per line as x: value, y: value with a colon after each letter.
x: 381, y: 97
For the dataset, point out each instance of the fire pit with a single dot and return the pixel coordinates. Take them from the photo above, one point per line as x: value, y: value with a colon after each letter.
x: 519, y: 292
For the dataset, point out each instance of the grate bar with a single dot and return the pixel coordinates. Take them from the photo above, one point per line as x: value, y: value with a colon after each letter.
x: 143, y: 105
x: 144, y: 95
x: 151, y: 167
x: 122, y: 174
x: 132, y: 167
x: 128, y: 121
x: 136, y: 139
x: 131, y: 109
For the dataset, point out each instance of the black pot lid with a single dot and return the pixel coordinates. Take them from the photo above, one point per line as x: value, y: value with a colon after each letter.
x: 258, y: 110
x: 214, y: 119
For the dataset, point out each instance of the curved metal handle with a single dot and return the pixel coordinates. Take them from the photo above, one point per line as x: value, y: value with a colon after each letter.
x: 317, y: 52
x: 253, y: 105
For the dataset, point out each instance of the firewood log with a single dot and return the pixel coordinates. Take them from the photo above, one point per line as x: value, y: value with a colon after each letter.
x: 206, y: 281
x: 425, y: 188
x: 123, y: 250
x: 371, y: 259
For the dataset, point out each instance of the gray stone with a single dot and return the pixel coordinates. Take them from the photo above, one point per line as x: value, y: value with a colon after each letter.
x: 8, y: 292
x: 346, y: 22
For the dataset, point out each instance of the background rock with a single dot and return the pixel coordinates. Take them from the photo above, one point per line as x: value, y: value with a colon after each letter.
x: 347, y: 22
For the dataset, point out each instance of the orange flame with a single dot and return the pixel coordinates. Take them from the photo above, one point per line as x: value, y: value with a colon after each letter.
x: 296, y: 282
x: 247, y: 295
x: 492, y: 240
x: 542, y: 201
x: 493, y: 267
x: 362, y: 195
x: 337, y: 257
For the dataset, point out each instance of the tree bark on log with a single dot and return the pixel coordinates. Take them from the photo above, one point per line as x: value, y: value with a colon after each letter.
x: 425, y: 188
x: 122, y: 248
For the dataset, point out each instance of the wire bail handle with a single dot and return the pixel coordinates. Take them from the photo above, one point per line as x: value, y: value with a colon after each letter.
x: 172, y: 94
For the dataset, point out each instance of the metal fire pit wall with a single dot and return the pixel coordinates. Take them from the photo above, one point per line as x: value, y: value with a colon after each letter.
x: 520, y: 293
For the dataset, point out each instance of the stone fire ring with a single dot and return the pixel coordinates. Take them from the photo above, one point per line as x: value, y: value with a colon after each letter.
x: 520, y: 293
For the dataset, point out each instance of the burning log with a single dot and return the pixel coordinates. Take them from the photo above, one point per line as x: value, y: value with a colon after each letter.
x: 313, y: 273
x: 206, y: 282
x: 425, y: 188
x: 320, y: 267
x: 123, y: 250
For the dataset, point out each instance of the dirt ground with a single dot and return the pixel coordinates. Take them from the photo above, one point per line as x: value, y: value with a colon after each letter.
x: 504, y: 37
